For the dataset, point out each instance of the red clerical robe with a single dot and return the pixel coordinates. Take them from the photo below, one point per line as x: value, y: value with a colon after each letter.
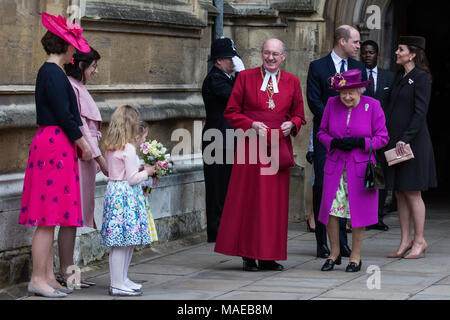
x: 255, y: 215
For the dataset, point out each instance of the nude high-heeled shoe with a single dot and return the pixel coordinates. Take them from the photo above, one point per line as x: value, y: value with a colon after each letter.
x: 417, y: 255
x: 402, y: 253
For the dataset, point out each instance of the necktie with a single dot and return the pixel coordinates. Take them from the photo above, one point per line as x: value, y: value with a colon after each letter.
x: 342, y: 66
x: 371, y: 86
x: 371, y: 81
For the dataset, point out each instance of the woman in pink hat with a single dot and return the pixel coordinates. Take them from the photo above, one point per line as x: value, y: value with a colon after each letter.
x: 351, y: 124
x: 51, y: 190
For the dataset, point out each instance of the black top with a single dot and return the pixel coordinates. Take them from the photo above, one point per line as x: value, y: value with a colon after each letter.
x: 56, y: 103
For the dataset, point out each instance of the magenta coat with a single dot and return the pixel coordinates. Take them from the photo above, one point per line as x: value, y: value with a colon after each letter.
x: 367, y: 121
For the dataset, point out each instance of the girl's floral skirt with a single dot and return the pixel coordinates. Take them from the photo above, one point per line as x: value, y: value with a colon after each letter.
x: 125, y: 218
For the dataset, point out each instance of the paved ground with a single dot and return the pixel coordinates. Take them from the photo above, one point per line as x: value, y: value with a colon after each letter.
x: 189, y: 270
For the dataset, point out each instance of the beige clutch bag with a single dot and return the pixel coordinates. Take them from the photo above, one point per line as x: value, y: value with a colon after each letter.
x: 392, y: 157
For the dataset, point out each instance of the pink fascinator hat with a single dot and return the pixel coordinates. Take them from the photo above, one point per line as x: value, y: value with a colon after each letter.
x: 70, y: 32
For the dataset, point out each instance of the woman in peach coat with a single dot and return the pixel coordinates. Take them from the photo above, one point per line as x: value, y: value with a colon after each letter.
x: 82, y: 70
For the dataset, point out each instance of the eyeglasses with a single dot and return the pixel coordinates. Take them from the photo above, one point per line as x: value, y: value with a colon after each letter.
x: 273, y: 54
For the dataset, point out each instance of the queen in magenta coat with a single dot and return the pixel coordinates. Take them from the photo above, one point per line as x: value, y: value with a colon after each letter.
x: 349, y: 124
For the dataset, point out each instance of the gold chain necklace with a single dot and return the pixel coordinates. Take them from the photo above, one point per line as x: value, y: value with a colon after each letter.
x: 269, y: 89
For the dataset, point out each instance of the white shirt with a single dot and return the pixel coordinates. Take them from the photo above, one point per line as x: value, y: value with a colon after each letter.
x: 337, y: 62
x: 228, y: 75
x: 375, y: 76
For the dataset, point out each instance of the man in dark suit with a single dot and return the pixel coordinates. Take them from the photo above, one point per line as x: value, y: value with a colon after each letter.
x: 216, y: 90
x: 346, y: 45
x: 380, y: 89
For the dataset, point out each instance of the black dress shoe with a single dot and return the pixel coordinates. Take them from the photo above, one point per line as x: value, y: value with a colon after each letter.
x: 345, y: 251
x: 379, y: 226
x: 269, y: 265
x: 353, y: 267
x: 329, y: 264
x: 323, y: 251
x: 249, y: 264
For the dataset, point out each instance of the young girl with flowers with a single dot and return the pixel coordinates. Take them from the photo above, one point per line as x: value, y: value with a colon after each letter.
x: 125, y: 220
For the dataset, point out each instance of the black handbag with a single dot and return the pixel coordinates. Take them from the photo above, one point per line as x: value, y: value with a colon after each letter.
x: 374, y: 177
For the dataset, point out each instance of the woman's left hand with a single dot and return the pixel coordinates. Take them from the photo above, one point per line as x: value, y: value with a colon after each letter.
x: 400, y: 148
x: 286, y: 128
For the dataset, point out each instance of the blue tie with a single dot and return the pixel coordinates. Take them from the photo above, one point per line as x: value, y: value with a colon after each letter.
x: 342, y: 66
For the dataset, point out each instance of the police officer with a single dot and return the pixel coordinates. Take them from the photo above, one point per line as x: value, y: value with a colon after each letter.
x: 216, y: 90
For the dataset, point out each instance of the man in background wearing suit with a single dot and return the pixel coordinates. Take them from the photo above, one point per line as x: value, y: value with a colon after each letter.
x: 380, y: 89
x: 216, y: 91
x: 346, y: 45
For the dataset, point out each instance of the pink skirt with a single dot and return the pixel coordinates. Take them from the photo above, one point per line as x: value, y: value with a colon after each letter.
x: 51, y: 189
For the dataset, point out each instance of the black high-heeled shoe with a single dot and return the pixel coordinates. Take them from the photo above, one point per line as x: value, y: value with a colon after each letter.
x: 329, y: 264
x: 353, y: 267
x: 249, y: 264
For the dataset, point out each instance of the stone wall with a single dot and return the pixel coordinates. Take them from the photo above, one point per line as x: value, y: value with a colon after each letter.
x: 154, y: 57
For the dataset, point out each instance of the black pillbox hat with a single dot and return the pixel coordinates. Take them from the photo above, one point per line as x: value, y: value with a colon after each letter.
x: 413, y: 41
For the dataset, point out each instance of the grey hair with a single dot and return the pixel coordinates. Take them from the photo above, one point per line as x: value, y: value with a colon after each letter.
x: 283, y: 46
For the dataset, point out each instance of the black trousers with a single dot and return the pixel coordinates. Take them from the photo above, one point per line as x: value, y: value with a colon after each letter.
x: 217, y: 177
x: 321, y: 231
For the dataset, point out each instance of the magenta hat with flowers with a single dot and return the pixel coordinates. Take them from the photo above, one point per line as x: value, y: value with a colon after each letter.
x: 69, y: 32
x: 350, y: 79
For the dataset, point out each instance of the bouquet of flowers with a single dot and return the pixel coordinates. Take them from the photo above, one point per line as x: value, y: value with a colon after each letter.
x: 163, y: 168
x: 154, y: 153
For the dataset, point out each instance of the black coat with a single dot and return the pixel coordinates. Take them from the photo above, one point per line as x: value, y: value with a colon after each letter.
x: 216, y: 91
x: 406, y: 120
x: 385, y: 81
x: 318, y: 92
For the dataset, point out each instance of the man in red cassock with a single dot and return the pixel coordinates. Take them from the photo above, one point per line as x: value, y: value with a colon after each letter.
x: 255, y: 216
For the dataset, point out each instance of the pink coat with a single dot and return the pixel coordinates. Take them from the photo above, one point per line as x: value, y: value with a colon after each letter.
x: 367, y: 121
x: 91, y: 118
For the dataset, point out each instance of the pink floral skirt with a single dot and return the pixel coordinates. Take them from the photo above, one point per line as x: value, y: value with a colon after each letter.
x: 51, y: 189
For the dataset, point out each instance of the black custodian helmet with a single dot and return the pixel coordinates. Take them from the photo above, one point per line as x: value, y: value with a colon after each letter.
x: 223, y: 48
